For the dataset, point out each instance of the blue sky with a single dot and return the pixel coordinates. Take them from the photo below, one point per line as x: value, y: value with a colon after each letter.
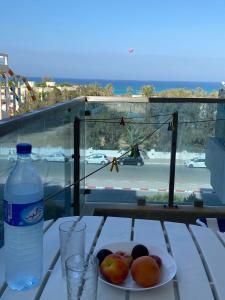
x: 173, y: 40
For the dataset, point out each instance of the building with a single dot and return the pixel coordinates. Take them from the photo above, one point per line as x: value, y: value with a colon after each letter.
x: 215, y: 151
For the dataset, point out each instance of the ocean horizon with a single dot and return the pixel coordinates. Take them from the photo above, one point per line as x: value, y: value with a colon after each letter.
x: 120, y: 86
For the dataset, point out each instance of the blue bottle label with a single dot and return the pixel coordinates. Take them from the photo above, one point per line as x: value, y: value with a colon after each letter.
x: 23, y: 214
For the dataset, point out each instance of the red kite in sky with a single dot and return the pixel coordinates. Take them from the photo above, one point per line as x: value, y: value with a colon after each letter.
x: 130, y: 50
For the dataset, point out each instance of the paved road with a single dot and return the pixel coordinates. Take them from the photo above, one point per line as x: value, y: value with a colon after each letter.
x: 151, y: 179
x: 123, y: 186
x: 155, y: 176
x: 151, y: 176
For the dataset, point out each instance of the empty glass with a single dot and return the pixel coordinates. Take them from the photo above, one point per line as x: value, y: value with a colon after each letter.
x: 72, y: 240
x: 82, y: 277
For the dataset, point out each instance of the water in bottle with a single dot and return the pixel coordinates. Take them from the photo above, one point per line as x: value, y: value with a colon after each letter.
x: 23, y: 223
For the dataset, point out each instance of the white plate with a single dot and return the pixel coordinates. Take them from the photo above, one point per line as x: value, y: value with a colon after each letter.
x: 168, y: 269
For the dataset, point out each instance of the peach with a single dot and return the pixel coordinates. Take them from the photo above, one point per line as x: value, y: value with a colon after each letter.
x: 114, y: 268
x: 145, y: 271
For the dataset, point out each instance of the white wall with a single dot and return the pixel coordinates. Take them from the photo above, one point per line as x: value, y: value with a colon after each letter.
x: 152, y: 154
x: 215, y: 161
x: 184, y: 155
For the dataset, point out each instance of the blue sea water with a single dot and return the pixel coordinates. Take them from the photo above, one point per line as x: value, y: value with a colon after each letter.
x: 120, y: 86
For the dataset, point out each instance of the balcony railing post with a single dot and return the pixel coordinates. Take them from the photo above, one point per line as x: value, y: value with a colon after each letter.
x: 173, y: 159
x: 76, y: 167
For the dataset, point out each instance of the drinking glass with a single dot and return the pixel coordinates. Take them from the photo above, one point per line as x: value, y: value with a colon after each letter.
x: 72, y: 240
x: 82, y: 277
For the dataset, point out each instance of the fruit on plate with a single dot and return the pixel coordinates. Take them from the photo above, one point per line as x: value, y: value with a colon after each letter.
x: 102, y: 254
x: 145, y: 271
x: 157, y: 259
x: 127, y: 257
x: 114, y: 268
x: 139, y: 250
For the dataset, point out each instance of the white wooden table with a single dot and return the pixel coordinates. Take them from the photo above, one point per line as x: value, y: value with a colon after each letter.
x: 199, y: 254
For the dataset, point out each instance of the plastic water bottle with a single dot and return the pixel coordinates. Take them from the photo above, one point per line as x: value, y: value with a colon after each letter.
x: 23, y: 223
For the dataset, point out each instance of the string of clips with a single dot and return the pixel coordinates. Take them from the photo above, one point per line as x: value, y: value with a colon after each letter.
x: 123, y: 122
x: 114, y: 161
x: 127, y: 118
x: 201, y: 121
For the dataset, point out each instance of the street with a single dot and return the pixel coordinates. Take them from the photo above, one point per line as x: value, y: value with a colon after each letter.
x: 149, y: 176
x: 124, y: 186
x: 152, y: 176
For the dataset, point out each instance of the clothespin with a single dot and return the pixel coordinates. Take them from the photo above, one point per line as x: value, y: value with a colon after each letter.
x: 122, y: 122
x: 114, y: 164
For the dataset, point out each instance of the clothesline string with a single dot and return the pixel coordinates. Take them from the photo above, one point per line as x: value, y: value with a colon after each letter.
x: 102, y: 167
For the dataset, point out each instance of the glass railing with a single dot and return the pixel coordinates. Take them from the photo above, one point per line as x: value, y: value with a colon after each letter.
x: 107, y: 137
x: 51, y: 133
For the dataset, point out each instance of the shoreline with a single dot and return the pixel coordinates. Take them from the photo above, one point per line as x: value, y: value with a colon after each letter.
x: 124, y: 87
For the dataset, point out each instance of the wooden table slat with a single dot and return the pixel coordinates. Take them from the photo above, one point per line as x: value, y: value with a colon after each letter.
x: 2, y: 264
x: 47, y: 224
x: 114, y: 230
x: 214, y: 254
x: 151, y: 232
x: 51, y: 247
x: 56, y: 285
x: 2, y: 268
x: 192, y: 275
x: 192, y: 280
x: 222, y: 236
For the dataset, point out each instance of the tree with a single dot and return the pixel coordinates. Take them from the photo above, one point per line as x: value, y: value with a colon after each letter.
x: 176, y: 93
x: 108, y: 90
x: 199, y: 92
x: 129, y: 91
x: 147, y: 90
x: 46, y: 78
x: 54, y: 96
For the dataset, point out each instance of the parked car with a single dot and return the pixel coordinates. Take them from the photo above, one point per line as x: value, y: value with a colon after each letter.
x: 35, y: 156
x: 13, y: 156
x: 58, y: 156
x: 127, y: 160
x: 196, y: 162
x: 101, y: 159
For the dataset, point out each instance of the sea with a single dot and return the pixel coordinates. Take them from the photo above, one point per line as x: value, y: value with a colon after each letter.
x: 120, y: 87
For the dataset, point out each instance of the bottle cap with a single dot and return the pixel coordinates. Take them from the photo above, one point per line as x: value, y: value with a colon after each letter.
x: 23, y: 148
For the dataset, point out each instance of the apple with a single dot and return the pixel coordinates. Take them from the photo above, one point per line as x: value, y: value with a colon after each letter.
x: 145, y: 271
x: 114, y: 268
x: 128, y: 258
